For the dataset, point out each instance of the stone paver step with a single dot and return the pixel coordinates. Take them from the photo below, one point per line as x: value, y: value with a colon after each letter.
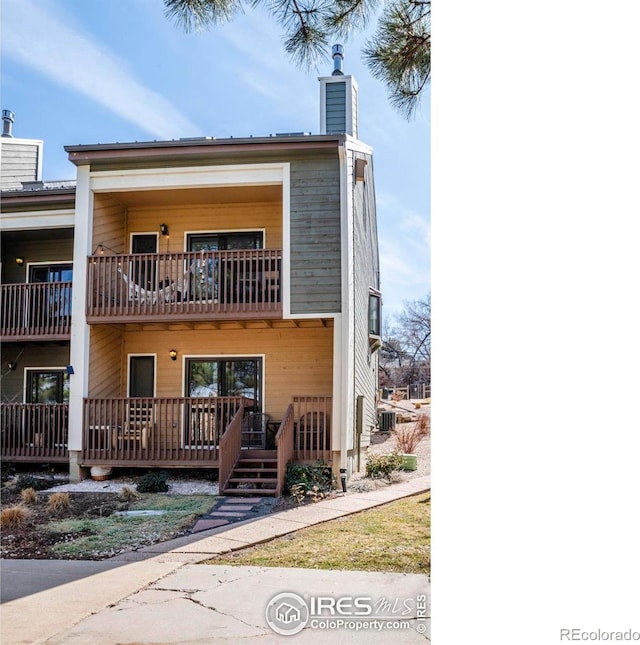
x: 245, y: 500
x: 252, y: 491
x: 206, y: 523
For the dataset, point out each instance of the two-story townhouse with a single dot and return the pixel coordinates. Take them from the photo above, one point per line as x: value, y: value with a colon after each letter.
x: 226, y: 301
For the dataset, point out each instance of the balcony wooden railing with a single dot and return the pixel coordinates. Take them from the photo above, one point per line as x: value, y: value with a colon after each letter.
x: 184, y: 286
x: 36, y: 311
x: 179, y: 431
x: 230, y: 447
x: 284, y: 446
x: 35, y: 432
x: 312, y: 420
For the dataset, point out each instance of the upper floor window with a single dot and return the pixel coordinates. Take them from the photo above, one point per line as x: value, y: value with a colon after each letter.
x: 51, y: 273
x: 374, y: 313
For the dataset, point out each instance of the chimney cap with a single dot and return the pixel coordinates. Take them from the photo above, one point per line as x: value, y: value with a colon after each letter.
x: 337, y: 51
x: 8, y: 117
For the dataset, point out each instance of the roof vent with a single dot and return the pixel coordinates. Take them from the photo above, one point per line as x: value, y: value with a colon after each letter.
x: 337, y: 52
x: 292, y: 134
x: 8, y: 118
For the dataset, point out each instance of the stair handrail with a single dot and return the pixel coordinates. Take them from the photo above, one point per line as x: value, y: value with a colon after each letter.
x: 230, y: 448
x: 284, y: 446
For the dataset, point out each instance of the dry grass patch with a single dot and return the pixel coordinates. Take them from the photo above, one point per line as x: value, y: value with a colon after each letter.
x: 395, y: 537
x: 59, y: 502
x: 28, y: 496
x: 14, y: 517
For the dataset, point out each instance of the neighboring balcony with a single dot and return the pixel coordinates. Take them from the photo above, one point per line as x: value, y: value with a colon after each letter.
x: 207, y: 285
x: 36, y: 311
x: 36, y: 432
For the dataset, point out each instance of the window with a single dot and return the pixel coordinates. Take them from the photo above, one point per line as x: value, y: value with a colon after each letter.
x: 51, y: 273
x: 47, y: 386
x: 374, y: 313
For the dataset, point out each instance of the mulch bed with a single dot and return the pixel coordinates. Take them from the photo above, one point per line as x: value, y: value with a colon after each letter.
x: 32, y: 540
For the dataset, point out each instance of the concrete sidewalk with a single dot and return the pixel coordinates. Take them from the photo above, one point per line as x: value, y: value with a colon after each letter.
x: 161, y: 595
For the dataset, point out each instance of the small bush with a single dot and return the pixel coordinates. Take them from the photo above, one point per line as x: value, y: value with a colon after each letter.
x: 28, y: 496
x: 153, y: 483
x: 59, y: 502
x: 29, y: 481
x: 14, y: 517
x: 409, y: 436
x: 128, y: 494
x: 311, y: 481
x: 383, y: 465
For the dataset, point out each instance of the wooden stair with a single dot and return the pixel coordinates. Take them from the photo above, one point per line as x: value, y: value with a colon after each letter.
x: 255, y: 473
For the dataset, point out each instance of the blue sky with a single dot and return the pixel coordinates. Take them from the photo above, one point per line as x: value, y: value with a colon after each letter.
x: 102, y: 71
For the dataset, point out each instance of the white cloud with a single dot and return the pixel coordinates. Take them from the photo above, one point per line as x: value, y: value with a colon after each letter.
x: 39, y: 38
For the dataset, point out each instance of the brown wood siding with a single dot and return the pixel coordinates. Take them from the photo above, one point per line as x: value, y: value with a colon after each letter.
x: 107, y: 377
x: 209, y: 217
x: 57, y: 247
x: 315, y: 235
x: 46, y: 355
x: 19, y: 163
x: 366, y: 274
x: 296, y: 360
x: 109, y: 222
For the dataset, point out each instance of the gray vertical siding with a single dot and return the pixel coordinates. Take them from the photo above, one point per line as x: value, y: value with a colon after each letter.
x: 47, y: 355
x: 55, y: 245
x: 315, y: 235
x: 19, y: 163
x: 366, y: 276
x: 335, y: 107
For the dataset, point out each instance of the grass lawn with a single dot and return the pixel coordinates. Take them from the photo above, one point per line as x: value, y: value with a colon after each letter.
x: 395, y: 537
x: 103, y: 536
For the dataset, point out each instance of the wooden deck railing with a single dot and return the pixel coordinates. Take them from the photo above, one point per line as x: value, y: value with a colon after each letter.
x: 178, y: 431
x: 174, y: 286
x: 230, y: 447
x: 33, y: 311
x: 35, y: 432
x: 284, y: 446
x: 312, y: 419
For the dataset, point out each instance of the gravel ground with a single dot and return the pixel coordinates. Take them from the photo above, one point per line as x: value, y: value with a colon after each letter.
x: 176, y: 486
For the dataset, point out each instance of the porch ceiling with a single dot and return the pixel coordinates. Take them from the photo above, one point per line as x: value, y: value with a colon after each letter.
x: 192, y: 196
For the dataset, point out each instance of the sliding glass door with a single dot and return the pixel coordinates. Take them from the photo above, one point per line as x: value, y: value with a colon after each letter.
x: 219, y: 377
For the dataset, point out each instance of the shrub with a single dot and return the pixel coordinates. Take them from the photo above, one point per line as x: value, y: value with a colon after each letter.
x: 155, y: 482
x: 128, y: 494
x: 59, y: 502
x: 14, y: 517
x: 29, y: 481
x: 383, y: 465
x: 311, y: 481
x: 409, y: 436
x: 28, y: 496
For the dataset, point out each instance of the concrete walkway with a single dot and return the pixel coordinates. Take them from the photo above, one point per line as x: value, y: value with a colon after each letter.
x: 160, y: 594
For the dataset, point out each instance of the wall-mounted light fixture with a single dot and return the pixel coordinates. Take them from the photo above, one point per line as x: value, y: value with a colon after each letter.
x: 173, y: 354
x: 70, y: 370
x: 164, y: 229
x: 19, y: 261
x: 12, y: 365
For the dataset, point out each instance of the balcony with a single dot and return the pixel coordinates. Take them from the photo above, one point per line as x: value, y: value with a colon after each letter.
x: 34, y: 432
x: 36, y: 311
x: 170, y: 431
x: 207, y: 285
